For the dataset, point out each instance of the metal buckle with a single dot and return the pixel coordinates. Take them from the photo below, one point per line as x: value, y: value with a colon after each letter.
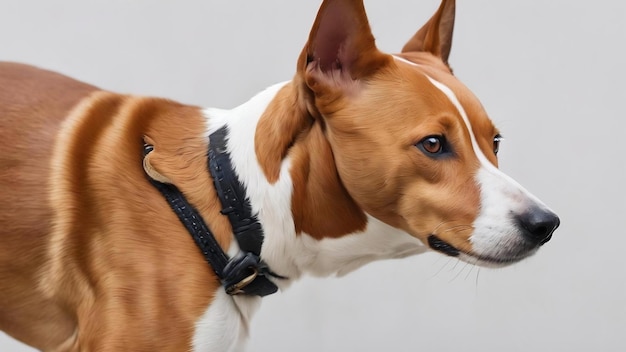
x: 239, y: 286
x: 240, y: 271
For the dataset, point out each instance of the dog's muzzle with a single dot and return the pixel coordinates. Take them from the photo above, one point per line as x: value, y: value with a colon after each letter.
x: 535, y: 227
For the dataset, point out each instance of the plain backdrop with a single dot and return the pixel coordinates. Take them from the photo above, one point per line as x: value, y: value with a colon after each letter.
x: 551, y: 75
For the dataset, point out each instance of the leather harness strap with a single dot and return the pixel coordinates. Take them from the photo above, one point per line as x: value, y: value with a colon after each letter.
x: 245, y: 273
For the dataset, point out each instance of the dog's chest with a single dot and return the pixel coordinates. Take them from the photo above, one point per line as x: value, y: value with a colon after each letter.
x: 224, y: 325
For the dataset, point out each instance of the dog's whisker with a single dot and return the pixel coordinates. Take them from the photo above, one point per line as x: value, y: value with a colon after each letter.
x: 455, y: 264
x: 438, y: 260
x: 434, y: 231
x: 470, y: 271
x: 462, y: 226
x: 442, y: 267
x: 460, y: 272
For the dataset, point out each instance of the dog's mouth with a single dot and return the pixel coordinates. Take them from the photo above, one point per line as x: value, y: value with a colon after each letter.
x: 446, y: 248
x: 442, y: 246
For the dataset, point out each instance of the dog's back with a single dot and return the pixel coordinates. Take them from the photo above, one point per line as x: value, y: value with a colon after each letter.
x: 33, y: 103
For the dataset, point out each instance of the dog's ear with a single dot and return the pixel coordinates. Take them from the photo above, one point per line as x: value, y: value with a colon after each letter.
x: 435, y: 36
x: 341, y: 47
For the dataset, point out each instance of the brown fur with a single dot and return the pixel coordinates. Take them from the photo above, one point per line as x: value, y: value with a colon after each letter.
x: 321, y: 206
x: 25, y: 217
x: 119, y: 269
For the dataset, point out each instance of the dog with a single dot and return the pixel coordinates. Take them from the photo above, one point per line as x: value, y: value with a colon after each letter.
x: 141, y: 224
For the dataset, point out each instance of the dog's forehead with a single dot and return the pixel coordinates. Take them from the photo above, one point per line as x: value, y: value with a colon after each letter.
x: 446, y: 86
x: 436, y: 71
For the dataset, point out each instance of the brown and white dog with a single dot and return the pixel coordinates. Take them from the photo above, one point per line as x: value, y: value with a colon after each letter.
x: 362, y: 156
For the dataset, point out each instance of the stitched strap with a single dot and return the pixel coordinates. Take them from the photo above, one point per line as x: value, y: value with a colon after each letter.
x: 195, y: 225
x: 245, y: 273
x: 235, y: 204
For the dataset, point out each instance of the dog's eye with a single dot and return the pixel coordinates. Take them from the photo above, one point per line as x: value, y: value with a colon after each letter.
x: 496, y: 143
x: 433, y: 145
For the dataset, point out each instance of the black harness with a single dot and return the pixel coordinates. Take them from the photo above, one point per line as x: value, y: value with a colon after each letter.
x: 245, y: 273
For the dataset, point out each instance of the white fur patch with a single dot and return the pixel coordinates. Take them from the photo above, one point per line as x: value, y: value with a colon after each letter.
x: 345, y: 254
x: 222, y: 328
x: 404, y: 60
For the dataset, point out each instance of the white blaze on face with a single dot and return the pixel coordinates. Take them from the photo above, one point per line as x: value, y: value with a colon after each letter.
x: 497, y: 235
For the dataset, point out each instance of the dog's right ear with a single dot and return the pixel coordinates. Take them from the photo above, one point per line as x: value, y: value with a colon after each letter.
x: 341, y: 48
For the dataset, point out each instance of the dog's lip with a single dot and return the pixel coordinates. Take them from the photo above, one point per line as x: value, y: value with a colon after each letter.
x: 442, y: 246
x: 504, y: 261
x: 446, y: 248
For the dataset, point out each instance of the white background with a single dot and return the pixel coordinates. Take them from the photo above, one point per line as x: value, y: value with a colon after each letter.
x: 550, y: 73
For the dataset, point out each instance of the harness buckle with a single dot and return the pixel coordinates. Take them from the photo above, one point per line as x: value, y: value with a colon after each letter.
x: 237, y: 288
x: 240, y: 272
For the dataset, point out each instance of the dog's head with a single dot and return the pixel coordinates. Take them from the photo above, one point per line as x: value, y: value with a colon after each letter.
x: 412, y: 145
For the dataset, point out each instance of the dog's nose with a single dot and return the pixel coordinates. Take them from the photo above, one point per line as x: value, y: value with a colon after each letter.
x: 539, y: 224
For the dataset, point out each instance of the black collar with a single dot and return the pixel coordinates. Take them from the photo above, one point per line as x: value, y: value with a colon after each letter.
x: 245, y: 273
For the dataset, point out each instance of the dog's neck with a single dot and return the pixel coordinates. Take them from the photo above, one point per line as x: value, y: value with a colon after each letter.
x: 311, y: 224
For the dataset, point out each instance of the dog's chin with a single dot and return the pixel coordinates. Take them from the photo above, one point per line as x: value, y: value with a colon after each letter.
x: 495, y: 262
x: 490, y: 261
